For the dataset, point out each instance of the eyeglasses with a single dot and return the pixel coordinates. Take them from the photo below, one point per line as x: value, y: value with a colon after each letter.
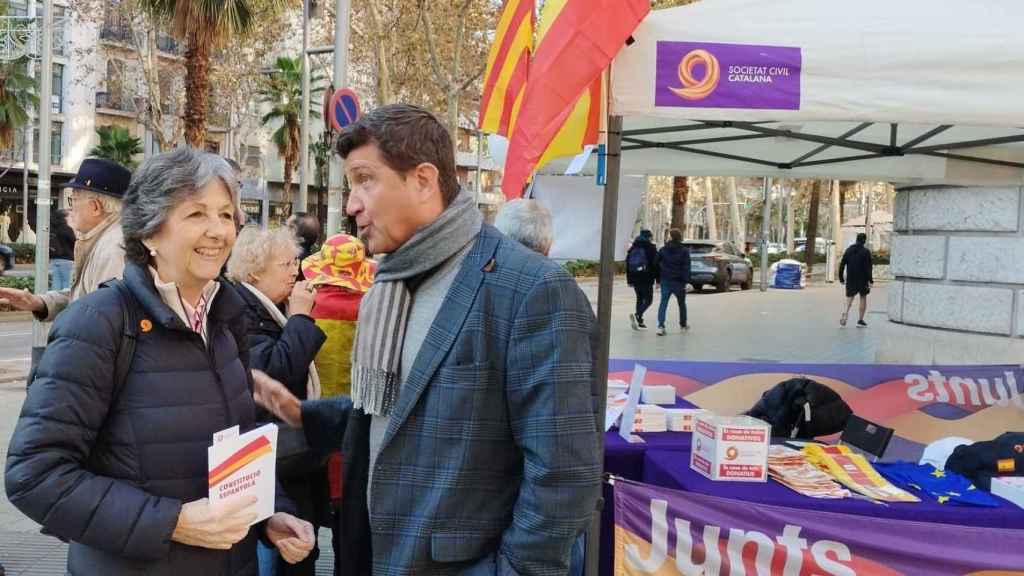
x: 289, y: 264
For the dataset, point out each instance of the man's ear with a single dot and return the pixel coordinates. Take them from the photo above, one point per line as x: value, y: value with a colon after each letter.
x: 425, y: 177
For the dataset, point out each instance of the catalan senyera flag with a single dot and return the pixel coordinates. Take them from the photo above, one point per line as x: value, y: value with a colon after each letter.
x: 577, y: 46
x: 507, y: 67
x: 584, y: 125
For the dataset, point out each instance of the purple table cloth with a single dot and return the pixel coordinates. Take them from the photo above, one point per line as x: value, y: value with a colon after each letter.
x: 627, y: 460
x: 671, y: 469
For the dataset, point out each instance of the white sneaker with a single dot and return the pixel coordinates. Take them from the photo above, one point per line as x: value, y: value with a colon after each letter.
x: 661, y: 330
x: 633, y: 323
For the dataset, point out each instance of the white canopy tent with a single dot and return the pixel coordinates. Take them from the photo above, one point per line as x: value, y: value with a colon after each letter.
x: 910, y: 91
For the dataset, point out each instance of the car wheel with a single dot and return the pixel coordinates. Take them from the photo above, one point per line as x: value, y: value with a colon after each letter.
x: 749, y: 282
x: 724, y: 282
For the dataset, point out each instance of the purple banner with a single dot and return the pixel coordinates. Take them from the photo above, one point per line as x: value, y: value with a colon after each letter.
x: 708, y: 75
x: 662, y: 532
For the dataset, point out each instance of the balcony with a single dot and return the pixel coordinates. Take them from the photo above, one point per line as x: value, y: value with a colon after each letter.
x: 115, y: 32
x: 111, y: 101
x: 169, y: 45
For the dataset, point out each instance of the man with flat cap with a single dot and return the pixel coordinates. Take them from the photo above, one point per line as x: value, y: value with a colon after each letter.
x: 95, y: 216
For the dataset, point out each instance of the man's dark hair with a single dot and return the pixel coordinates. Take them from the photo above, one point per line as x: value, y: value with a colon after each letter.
x: 862, y: 238
x: 407, y: 136
x: 647, y: 234
x: 307, y: 228
x: 676, y: 235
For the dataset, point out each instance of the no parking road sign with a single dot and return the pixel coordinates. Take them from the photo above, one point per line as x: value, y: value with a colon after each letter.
x: 344, y: 108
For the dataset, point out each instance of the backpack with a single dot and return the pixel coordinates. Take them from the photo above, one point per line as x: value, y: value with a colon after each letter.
x: 802, y: 408
x: 636, y: 260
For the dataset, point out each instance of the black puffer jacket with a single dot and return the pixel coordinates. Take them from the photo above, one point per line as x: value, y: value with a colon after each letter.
x: 674, y: 259
x: 283, y: 353
x: 649, y: 276
x: 109, y: 469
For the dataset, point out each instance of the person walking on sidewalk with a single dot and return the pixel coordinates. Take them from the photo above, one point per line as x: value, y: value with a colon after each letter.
x: 641, y: 273
x: 62, y: 251
x: 95, y: 216
x: 674, y: 263
x: 856, y: 264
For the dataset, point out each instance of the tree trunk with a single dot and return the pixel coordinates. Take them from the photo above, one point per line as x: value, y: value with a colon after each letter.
x: 812, y: 226
x: 711, y: 226
x: 735, y: 224
x: 790, y: 222
x: 837, y: 221
x: 680, y: 197
x: 844, y: 188
x: 197, y: 89
x: 289, y: 167
x: 384, y: 95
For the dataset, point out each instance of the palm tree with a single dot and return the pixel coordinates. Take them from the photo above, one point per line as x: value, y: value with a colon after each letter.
x: 117, y: 144
x: 17, y: 97
x: 203, y: 26
x: 283, y: 92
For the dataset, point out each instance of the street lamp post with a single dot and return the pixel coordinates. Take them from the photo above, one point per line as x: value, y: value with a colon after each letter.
x: 342, y: 13
x: 43, y: 193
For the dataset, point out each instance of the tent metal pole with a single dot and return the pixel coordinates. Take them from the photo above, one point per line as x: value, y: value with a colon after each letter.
x: 824, y: 147
x: 604, y: 312
x: 926, y: 136
x: 766, y: 214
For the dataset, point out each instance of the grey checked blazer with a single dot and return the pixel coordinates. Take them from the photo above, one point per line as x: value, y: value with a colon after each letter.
x: 490, y: 464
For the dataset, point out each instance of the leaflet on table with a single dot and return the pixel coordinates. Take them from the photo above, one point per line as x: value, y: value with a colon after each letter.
x: 614, y: 408
x: 242, y: 465
x: 790, y: 468
x: 856, y: 473
x: 629, y: 414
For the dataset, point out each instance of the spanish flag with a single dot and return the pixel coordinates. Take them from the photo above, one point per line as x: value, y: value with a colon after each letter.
x: 256, y: 449
x: 578, y: 41
x: 507, y: 66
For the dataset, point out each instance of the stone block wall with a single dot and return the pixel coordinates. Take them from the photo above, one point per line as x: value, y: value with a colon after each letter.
x: 958, y: 259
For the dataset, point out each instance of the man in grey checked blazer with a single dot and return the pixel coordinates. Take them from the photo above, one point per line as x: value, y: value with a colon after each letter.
x: 489, y: 461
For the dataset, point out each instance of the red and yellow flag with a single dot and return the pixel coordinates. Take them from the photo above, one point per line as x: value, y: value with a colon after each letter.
x: 579, y: 41
x: 584, y: 124
x: 507, y: 67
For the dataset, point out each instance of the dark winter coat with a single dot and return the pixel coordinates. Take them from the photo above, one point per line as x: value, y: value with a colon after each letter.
x: 109, y: 467
x: 675, y: 263
x: 62, y: 238
x: 783, y: 407
x: 856, y: 267
x: 652, y: 273
x: 283, y: 353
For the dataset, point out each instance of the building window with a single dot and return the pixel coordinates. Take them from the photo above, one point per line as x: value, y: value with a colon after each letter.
x: 58, y: 89
x: 56, y: 144
x: 253, y: 156
x: 17, y: 8
x: 212, y: 146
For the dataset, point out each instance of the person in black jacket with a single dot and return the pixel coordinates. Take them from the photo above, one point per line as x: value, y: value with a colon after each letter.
x: 641, y: 273
x: 283, y: 344
x: 62, y: 251
x: 674, y: 262
x: 119, y: 466
x: 857, y: 266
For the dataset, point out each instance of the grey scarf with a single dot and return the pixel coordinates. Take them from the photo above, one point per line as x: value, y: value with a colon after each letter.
x: 384, y: 310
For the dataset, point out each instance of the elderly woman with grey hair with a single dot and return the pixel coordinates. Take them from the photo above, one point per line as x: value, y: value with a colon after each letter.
x: 110, y: 450
x: 283, y: 341
x: 528, y: 222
